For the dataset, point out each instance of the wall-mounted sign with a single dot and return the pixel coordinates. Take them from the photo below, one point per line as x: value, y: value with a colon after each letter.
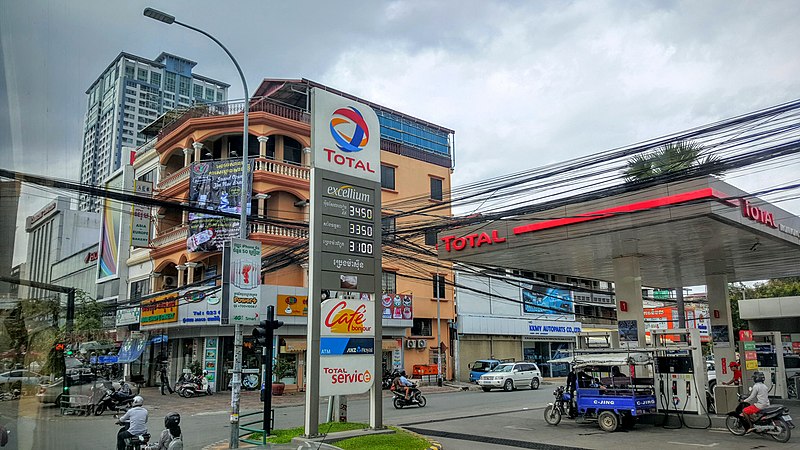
x: 397, y: 306
x: 345, y: 375
x: 90, y: 256
x: 475, y: 240
x: 241, y: 271
x: 140, y: 216
x: 160, y: 310
x: 348, y: 317
x: 757, y: 214
x: 292, y: 305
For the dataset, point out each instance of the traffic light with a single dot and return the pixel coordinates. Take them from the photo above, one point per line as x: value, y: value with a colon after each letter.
x: 60, y: 346
x: 265, y: 330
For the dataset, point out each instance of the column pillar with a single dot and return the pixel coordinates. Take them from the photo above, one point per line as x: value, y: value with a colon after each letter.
x: 181, y: 277
x: 198, y: 147
x: 153, y: 280
x: 720, y: 305
x: 305, y: 158
x: 305, y: 274
x: 184, y: 214
x: 187, y: 156
x: 630, y: 307
x: 191, y: 266
x: 262, y: 146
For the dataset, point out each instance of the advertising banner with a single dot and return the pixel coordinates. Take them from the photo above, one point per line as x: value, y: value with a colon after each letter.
x: 140, y: 216
x: 108, y: 261
x: 397, y: 306
x: 216, y: 186
x: 548, y: 301
x: 127, y: 315
x: 348, y: 317
x: 345, y: 375
x: 197, y: 308
x: 160, y: 310
x: 292, y: 305
x: 243, y: 273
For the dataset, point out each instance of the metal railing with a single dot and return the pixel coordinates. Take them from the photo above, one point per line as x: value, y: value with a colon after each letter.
x: 174, y: 178
x: 246, y: 428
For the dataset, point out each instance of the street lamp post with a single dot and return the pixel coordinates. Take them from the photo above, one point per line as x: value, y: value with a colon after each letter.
x: 236, y: 383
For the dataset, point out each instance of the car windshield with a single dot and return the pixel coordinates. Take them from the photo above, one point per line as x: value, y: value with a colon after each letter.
x: 481, y: 366
x: 504, y: 368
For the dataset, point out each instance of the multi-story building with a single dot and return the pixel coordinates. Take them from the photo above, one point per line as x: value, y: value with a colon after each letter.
x: 416, y: 162
x: 127, y: 96
x: 9, y: 201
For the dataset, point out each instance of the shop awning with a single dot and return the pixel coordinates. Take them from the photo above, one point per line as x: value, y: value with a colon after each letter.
x: 389, y: 344
x: 294, y: 346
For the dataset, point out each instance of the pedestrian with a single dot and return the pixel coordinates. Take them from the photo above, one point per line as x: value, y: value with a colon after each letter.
x: 162, y: 362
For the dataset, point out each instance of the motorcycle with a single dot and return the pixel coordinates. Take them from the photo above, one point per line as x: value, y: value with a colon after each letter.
x: 135, y: 442
x: 773, y: 420
x: 415, y: 397
x: 388, y: 377
x: 113, y: 399
x: 196, y: 386
x: 560, y: 407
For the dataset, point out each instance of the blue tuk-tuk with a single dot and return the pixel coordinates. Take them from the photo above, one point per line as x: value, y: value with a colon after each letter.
x: 606, y: 388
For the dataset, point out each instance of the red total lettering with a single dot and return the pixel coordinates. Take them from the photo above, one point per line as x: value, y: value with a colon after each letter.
x: 347, y: 161
x: 757, y: 214
x: 473, y: 240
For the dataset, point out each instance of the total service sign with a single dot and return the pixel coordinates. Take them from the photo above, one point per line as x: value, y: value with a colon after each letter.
x: 345, y: 376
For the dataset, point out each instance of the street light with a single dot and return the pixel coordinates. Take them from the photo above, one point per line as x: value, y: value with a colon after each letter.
x: 236, y: 382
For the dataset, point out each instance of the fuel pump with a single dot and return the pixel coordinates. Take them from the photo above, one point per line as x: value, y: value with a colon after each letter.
x: 769, y: 354
x: 680, y: 379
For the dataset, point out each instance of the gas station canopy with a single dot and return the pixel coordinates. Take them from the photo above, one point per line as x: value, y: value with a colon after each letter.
x: 680, y: 232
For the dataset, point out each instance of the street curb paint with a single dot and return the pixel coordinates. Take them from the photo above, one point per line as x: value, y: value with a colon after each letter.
x: 434, y: 445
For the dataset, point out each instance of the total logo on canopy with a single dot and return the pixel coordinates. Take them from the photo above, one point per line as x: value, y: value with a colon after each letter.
x: 341, y: 136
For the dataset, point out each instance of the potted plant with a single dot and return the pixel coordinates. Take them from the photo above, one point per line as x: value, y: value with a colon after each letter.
x: 283, y: 368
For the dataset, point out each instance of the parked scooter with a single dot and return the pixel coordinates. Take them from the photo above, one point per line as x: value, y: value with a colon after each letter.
x: 115, y: 399
x: 773, y: 420
x: 136, y: 442
x: 197, y: 386
x: 415, y: 397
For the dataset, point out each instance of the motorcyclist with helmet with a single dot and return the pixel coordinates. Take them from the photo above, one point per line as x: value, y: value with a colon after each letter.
x: 171, y: 438
x: 137, y: 419
x: 401, y: 382
x: 760, y: 395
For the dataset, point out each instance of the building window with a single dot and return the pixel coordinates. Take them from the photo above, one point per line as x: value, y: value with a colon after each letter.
x: 140, y: 288
x: 389, y: 282
x: 183, y: 85
x: 436, y: 189
x: 438, y: 286
x: 388, y: 228
x: 387, y: 177
x: 430, y: 237
x: 422, y: 327
x: 142, y: 75
x: 197, y: 91
x: 219, y: 96
x: 169, y: 82
x: 155, y: 78
x: 128, y: 71
x: 210, y: 94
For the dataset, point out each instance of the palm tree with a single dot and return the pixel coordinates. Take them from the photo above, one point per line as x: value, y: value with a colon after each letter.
x: 671, y: 157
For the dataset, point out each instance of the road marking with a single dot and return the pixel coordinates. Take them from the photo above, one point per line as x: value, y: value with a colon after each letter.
x: 211, y: 413
x: 694, y: 445
x: 518, y: 428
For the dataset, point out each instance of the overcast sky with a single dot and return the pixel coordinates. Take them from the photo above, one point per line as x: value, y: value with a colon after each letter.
x: 523, y: 84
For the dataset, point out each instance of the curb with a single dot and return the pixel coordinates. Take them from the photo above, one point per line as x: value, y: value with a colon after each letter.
x: 434, y: 444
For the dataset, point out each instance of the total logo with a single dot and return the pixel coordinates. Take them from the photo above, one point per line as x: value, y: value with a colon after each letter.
x: 351, y: 134
x: 341, y: 376
x: 345, y: 320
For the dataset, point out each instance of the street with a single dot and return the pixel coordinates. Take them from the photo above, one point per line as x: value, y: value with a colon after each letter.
x: 468, y: 420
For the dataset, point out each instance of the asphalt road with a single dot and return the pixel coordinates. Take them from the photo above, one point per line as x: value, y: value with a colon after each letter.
x: 469, y: 420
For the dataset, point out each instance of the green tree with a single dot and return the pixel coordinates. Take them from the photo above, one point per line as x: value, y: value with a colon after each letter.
x: 671, y: 157
x: 776, y: 287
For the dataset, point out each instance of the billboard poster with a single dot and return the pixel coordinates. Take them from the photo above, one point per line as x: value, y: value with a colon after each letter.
x: 242, y: 272
x: 215, y: 186
x: 140, y: 216
x: 160, y: 310
x: 199, y: 308
x: 292, y: 305
x: 346, y: 375
x: 108, y: 260
x: 547, y: 300
x: 397, y: 306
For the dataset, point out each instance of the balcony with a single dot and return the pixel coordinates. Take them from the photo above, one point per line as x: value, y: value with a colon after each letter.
x: 278, y: 231
x: 179, y: 233
x: 174, y: 179
x: 281, y: 168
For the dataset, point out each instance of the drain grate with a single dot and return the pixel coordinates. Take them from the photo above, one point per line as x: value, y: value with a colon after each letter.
x: 491, y: 440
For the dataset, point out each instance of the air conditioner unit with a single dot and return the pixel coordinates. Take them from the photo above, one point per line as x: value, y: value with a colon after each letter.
x: 169, y: 282
x: 411, y: 343
x: 422, y: 343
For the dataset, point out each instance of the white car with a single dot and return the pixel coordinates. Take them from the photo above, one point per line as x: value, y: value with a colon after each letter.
x: 510, y: 376
x: 20, y: 379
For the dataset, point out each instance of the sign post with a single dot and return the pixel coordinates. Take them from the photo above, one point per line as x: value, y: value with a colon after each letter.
x: 345, y: 255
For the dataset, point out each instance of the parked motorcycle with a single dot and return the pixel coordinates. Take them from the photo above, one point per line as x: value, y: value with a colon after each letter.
x: 773, y: 420
x: 115, y: 399
x: 196, y: 386
x: 560, y: 407
x: 135, y: 442
x: 388, y: 377
x: 415, y: 397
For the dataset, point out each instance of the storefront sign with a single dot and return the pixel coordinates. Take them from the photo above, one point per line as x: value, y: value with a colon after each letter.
x: 745, y: 335
x: 397, y: 306
x: 127, y: 315
x: 40, y: 214
x: 347, y: 317
x: 243, y: 274
x: 140, y: 216
x: 159, y: 310
x: 472, y: 240
x: 292, y: 305
x: 345, y: 375
x: 196, y: 308
x: 553, y: 328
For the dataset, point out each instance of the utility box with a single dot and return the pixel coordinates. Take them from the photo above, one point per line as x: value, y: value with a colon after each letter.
x: 726, y: 398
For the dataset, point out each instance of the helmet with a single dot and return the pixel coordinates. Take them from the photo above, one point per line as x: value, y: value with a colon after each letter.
x: 758, y: 377
x: 138, y: 401
x: 172, y: 419
x: 734, y: 364
x: 402, y: 373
